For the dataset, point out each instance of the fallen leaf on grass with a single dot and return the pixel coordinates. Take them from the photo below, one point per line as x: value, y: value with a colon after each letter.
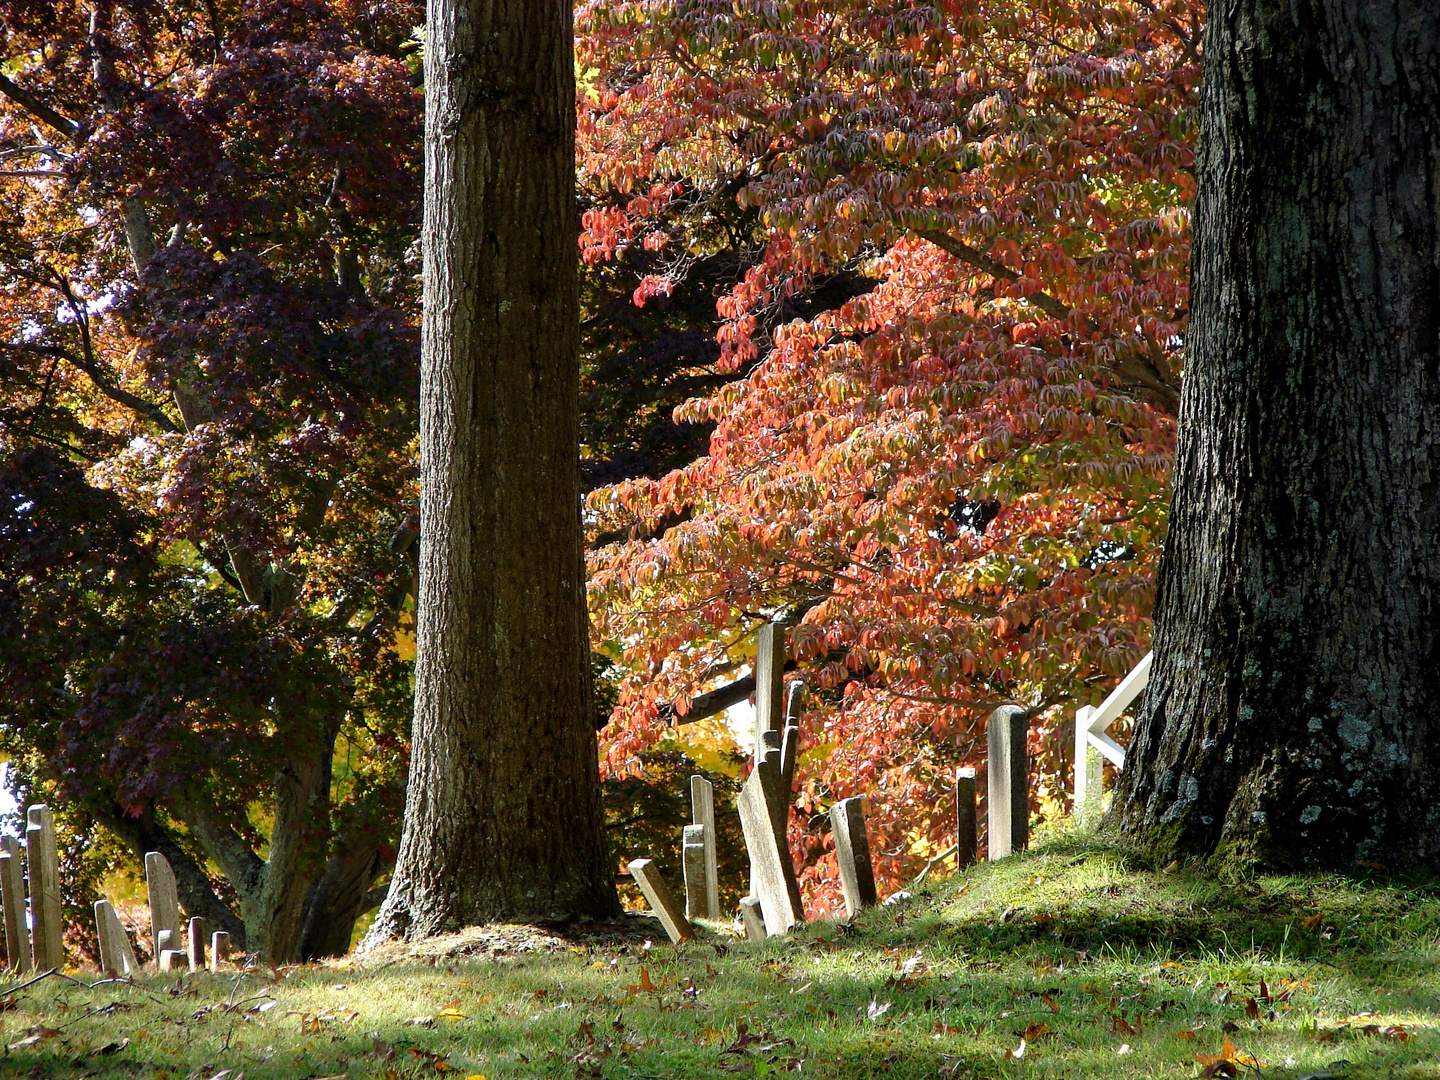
x: 875, y: 1009
x: 1188, y: 1036
x: 645, y: 985
x: 1120, y: 1026
x: 1226, y: 1063
x: 420, y: 1021
x: 1017, y: 1054
x: 1034, y: 1032
x: 37, y: 1035
x: 452, y: 1014
x: 1123, y: 1049
x: 109, y: 1048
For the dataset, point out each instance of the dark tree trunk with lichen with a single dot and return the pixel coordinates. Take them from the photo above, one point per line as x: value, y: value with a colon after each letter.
x: 503, y: 816
x: 1293, y: 714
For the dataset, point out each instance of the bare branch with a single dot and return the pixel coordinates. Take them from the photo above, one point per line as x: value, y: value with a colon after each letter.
x: 102, y: 383
x: 37, y: 108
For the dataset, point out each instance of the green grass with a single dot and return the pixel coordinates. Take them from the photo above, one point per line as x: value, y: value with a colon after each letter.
x: 1069, y: 948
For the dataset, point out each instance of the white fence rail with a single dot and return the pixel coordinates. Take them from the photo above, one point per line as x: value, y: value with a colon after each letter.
x: 1092, y: 726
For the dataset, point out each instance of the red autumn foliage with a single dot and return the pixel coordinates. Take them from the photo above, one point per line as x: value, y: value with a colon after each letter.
x: 954, y: 484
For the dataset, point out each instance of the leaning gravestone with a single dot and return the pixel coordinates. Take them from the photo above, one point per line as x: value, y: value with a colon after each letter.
x: 772, y: 876
x: 43, y: 866
x: 164, y: 902
x: 116, y: 955
x: 852, y: 852
x: 12, y: 897
x: 702, y: 812
x: 662, y: 900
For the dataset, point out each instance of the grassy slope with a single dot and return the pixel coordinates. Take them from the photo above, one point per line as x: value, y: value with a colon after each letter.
x: 1060, y: 942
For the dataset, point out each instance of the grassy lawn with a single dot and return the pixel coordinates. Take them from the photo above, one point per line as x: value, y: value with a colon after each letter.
x: 1062, y: 962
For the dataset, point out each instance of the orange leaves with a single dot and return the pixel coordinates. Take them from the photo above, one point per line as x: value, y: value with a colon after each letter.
x: 1226, y: 1063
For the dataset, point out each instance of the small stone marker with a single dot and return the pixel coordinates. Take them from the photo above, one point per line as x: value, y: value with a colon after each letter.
x: 173, y: 960
x: 219, y: 949
x: 164, y: 901
x: 751, y: 916
x: 662, y: 900
x: 852, y: 852
x: 967, y: 825
x: 12, y: 897
x: 43, y: 867
x: 116, y: 955
x: 772, y: 876
x: 196, y: 944
x: 165, y: 941
x: 697, y: 903
x: 1008, y: 802
x: 702, y: 812
x: 769, y: 680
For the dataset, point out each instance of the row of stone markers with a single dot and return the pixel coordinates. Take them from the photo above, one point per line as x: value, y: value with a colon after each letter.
x: 774, y: 906
x: 37, y: 942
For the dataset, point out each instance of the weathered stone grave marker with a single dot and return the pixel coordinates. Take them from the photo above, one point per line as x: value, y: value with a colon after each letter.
x: 164, y: 902
x: 196, y: 944
x: 662, y: 900
x: 790, y: 740
x: 753, y: 918
x: 173, y: 960
x: 42, y: 864
x: 12, y: 897
x: 769, y: 681
x: 702, y: 812
x: 116, y: 955
x: 967, y: 824
x: 219, y: 949
x: 772, y: 876
x: 697, y: 903
x: 852, y: 852
x: 1008, y: 803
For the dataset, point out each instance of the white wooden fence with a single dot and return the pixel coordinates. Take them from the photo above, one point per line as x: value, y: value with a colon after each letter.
x: 1092, y: 727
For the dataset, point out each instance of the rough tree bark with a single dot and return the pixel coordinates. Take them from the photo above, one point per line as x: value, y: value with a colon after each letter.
x: 1293, y: 712
x: 503, y: 817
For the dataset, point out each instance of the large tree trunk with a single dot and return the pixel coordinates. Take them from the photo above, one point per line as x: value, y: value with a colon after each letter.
x: 502, y: 817
x: 1293, y: 714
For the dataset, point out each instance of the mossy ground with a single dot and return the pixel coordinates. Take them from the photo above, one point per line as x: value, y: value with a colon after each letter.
x: 1102, y: 968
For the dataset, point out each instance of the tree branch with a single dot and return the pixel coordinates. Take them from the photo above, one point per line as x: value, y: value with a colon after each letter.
x: 37, y: 108
x: 996, y: 269
x: 103, y: 384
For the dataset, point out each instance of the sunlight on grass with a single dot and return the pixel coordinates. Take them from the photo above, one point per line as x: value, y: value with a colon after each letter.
x: 1066, y: 962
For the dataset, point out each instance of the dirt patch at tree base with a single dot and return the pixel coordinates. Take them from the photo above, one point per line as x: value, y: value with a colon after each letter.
x: 512, y: 940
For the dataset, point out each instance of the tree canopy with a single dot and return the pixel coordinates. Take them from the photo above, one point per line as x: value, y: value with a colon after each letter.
x: 952, y: 482
x: 883, y: 307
